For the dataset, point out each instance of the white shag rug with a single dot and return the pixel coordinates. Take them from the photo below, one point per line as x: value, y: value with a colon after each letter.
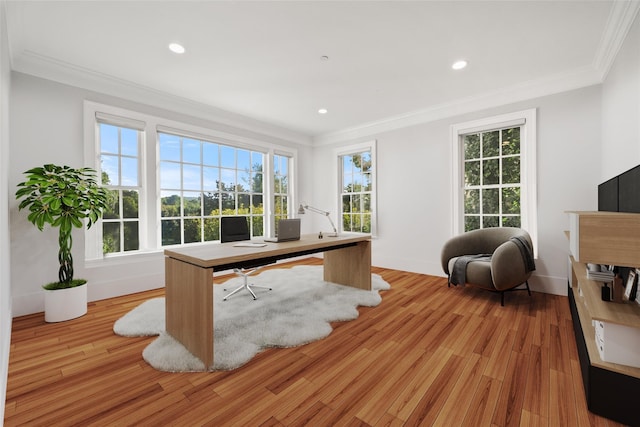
x: 297, y: 311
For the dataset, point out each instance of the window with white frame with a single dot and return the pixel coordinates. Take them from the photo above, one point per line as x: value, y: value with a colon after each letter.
x: 201, y: 181
x: 281, y: 188
x: 357, y: 188
x: 171, y: 182
x: 494, y: 173
x: 120, y: 144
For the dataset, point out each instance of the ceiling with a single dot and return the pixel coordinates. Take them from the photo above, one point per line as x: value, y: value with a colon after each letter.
x: 389, y: 62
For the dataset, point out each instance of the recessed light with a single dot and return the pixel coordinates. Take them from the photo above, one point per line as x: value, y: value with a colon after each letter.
x: 176, y: 48
x: 459, y: 65
x: 322, y: 111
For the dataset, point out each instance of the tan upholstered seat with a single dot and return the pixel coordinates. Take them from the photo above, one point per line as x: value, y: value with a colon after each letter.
x: 506, y: 266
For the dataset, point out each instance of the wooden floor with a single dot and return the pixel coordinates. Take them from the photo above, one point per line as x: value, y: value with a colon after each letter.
x: 427, y: 355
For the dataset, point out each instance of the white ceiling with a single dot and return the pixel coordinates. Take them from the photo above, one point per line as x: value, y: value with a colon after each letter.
x: 389, y: 62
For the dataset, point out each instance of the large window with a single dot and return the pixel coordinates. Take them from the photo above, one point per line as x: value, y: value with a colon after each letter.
x: 200, y: 181
x: 357, y: 189
x: 494, y: 173
x: 172, y: 182
x: 119, y: 164
x: 492, y: 179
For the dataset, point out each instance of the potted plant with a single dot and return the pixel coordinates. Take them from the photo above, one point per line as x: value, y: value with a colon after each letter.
x: 63, y: 197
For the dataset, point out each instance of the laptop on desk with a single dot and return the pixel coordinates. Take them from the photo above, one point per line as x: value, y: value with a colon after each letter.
x: 288, y: 229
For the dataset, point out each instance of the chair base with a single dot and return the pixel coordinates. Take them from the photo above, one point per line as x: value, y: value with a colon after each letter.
x: 245, y: 285
x: 526, y: 288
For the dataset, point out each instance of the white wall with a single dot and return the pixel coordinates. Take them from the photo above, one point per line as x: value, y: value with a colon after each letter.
x: 621, y: 108
x: 5, y: 289
x: 414, y: 184
x: 47, y: 127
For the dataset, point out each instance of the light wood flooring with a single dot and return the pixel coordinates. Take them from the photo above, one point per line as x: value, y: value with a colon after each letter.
x: 427, y: 355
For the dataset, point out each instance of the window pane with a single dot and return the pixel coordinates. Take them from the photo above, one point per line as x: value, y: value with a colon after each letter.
x: 366, y: 162
x: 257, y: 183
x: 490, y: 201
x: 171, y: 232
x: 510, y: 141
x: 169, y: 204
x: 511, y: 221
x: 511, y: 170
x: 471, y: 146
x: 110, y: 167
x: 347, y: 164
x: 366, y: 223
x: 366, y: 203
x: 228, y: 179
x: 490, y: 221
x: 228, y: 156
x: 244, y: 204
x: 192, y: 230
x: 129, y: 139
x: 190, y: 150
x: 228, y: 203
x: 471, y: 222
x: 244, y: 160
x: 210, y: 177
x: 347, y: 182
x: 110, y: 237
x: 366, y: 182
x: 211, y: 229
x: 356, y: 159
x: 491, y: 144
x: 346, y: 203
x: 472, y: 201
x: 491, y: 172
x: 191, y: 177
x: 170, y: 175
x: 130, y: 207
x: 131, y: 236
x: 355, y: 203
x: 210, y: 155
x: 511, y: 200
x: 256, y: 204
x: 257, y: 226
x: 346, y: 222
x: 244, y: 180
x: 191, y: 202
x: 130, y: 171
x: 257, y: 160
x: 108, y: 138
x: 169, y: 147
x: 472, y: 173
x: 212, y: 204
x: 113, y: 208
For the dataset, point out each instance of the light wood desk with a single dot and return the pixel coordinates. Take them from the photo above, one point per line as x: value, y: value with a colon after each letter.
x: 189, y: 279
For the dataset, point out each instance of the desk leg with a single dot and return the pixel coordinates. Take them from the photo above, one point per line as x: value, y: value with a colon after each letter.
x: 189, y: 307
x: 349, y: 266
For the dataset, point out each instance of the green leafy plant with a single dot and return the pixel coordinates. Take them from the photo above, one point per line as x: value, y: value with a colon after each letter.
x: 62, y: 197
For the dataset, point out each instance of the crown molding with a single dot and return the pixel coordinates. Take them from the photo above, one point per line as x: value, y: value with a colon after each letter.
x: 621, y: 18
x: 49, y: 68
x: 574, y: 79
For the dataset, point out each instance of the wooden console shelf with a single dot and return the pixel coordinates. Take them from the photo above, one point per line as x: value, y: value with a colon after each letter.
x: 590, y: 307
x: 609, y: 238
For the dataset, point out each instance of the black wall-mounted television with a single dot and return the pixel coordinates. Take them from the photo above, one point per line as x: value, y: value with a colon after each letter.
x: 621, y: 193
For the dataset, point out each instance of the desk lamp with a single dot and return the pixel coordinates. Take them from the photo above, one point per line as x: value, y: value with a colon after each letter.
x: 301, y: 211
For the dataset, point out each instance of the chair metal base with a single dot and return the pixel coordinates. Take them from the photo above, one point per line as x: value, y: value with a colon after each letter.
x: 245, y: 285
x: 526, y: 284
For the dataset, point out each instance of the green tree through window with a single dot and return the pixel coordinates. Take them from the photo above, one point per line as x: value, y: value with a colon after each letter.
x: 492, y: 179
x: 201, y: 181
x: 356, y: 193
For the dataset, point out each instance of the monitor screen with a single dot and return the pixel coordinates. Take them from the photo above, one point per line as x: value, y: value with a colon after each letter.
x: 629, y: 191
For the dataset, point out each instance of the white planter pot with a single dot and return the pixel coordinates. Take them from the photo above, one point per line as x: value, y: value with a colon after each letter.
x: 65, y: 304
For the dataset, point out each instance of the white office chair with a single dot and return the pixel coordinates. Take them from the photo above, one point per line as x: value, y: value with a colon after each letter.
x: 235, y: 229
